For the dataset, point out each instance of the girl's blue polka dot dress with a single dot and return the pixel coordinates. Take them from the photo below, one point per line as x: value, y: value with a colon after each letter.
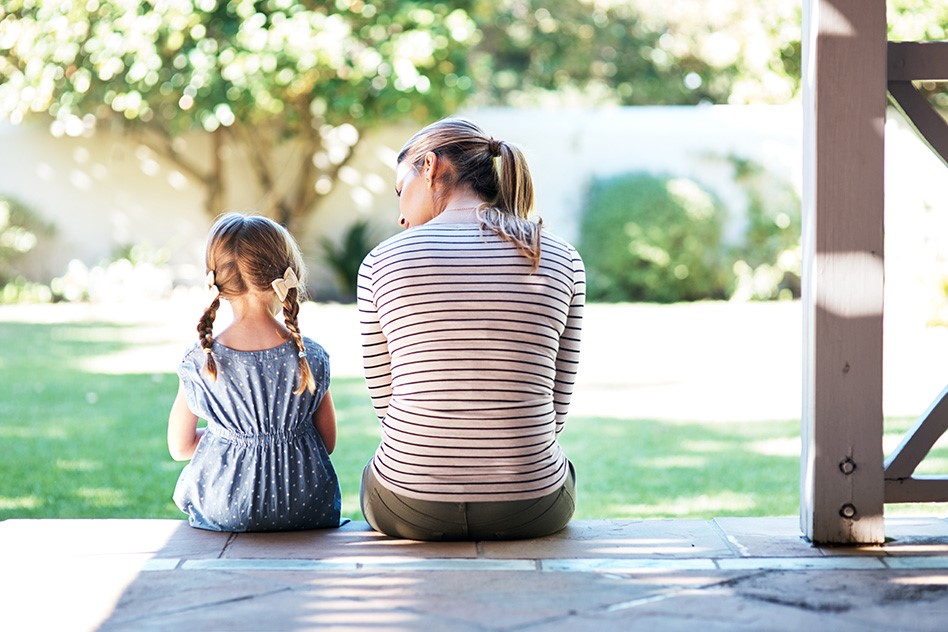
x: 261, y: 465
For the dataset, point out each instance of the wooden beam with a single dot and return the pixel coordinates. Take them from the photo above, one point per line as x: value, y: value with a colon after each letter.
x: 928, y: 124
x: 918, y: 441
x: 918, y: 61
x: 917, y: 489
x: 844, y: 79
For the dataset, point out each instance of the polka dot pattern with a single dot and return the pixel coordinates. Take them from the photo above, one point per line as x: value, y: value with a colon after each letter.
x: 261, y: 465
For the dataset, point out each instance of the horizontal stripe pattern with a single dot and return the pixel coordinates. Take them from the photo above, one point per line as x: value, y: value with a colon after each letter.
x: 470, y: 360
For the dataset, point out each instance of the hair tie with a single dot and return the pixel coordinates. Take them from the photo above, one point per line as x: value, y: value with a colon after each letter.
x: 493, y: 146
x: 207, y: 351
x: 211, y: 286
x: 282, y: 285
x: 302, y: 354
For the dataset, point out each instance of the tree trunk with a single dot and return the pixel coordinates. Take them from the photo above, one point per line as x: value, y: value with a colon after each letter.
x: 215, y: 181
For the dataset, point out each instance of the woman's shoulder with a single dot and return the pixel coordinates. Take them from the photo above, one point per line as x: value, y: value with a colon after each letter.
x: 555, y: 242
x: 425, y: 236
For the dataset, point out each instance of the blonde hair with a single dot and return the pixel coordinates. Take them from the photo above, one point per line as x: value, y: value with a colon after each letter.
x: 497, y: 172
x: 248, y: 252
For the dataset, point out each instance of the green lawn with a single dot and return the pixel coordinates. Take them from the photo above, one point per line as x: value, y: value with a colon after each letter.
x: 77, y: 443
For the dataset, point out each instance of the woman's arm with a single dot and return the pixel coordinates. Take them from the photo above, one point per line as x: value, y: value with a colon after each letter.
x: 376, y: 360
x: 183, y: 433
x: 567, y: 357
x: 325, y: 421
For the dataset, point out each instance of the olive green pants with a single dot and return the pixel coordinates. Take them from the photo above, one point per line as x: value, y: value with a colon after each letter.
x: 402, y: 517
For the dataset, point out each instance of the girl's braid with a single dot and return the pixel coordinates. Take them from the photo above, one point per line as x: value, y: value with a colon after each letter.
x: 291, y: 310
x: 205, y: 331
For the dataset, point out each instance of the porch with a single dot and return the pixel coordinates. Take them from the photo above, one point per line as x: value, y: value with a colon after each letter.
x: 721, y: 574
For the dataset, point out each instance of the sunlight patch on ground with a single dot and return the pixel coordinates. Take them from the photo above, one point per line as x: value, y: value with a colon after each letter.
x: 933, y: 465
x: 789, y: 446
x: 705, y: 446
x: 142, y: 359
x: 705, y: 504
x: 923, y: 580
x: 22, y: 502
x: 79, y: 465
x: 917, y: 509
x: 102, y: 496
x: 31, y: 432
x: 680, y: 460
x: 108, y: 334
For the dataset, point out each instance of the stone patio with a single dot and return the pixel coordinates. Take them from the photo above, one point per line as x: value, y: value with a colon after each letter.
x: 723, y: 574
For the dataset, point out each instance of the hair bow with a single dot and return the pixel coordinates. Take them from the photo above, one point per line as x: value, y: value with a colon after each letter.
x: 282, y: 286
x: 212, y: 286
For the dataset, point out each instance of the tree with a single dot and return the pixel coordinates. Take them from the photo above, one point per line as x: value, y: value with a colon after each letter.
x: 271, y: 76
x: 307, y: 78
x: 637, y: 52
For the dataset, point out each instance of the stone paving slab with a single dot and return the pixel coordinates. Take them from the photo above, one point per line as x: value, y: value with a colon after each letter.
x: 723, y: 574
x: 773, y: 537
x: 352, y: 539
x: 621, y: 539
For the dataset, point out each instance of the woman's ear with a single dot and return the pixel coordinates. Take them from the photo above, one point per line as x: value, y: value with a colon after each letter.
x: 430, y: 168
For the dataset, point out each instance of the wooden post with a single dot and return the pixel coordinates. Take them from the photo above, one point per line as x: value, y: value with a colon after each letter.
x: 844, y: 101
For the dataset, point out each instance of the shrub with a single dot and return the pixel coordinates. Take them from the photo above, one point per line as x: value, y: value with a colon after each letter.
x: 20, y: 230
x: 653, y: 238
x: 344, y: 259
x: 135, y: 272
x: 768, y: 262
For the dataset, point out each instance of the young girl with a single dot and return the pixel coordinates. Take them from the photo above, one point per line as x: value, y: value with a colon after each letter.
x: 262, y: 463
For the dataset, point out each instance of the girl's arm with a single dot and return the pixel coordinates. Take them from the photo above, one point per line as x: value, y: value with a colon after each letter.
x: 325, y: 421
x: 183, y: 433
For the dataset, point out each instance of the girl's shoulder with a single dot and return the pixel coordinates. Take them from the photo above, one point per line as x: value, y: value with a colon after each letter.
x: 192, y: 363
x: 314, y: 349
x: 193, y: 351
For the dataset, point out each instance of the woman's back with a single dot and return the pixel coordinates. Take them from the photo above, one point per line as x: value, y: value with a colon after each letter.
x: 480, y: 356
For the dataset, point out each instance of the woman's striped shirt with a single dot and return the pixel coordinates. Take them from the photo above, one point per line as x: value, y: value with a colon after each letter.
x: 470, y: 360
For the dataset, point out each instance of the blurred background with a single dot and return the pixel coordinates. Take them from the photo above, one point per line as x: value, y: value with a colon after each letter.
x: 663, y: 135
x: 664, y: 138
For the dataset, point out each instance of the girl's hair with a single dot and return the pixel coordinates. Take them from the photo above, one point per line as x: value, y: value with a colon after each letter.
x: 248, y: 252
x: 496, y: 171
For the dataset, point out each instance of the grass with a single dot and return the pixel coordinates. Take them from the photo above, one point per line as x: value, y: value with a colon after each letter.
x: 79, y: 443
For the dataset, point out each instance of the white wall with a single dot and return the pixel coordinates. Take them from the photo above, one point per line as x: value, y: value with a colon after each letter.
x: 104, y: 191
x: 565, y: 149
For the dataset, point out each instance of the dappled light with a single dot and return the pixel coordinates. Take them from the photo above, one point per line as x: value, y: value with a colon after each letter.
x: 102, y: 497
x: 788, y: 446
x: 18, y: 504
x: 676, y: 460
x: 924, y: 580
x: 86, y: 371
x: 79, y: 465
x: 645, y: 547
x: 721, y: 504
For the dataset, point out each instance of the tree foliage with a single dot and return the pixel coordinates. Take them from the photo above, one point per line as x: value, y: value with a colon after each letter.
x: 258, y: 75
x: 294, y: 84
x: 637, y: 52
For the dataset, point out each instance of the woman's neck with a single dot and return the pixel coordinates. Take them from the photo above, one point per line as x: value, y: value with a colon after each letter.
x: 463, y: 200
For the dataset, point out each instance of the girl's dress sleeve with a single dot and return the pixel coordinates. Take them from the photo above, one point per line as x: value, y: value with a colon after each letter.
x: 189, y: 372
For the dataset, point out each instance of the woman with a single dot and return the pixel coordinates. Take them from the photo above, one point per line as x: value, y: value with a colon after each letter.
x: 471, y: 324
